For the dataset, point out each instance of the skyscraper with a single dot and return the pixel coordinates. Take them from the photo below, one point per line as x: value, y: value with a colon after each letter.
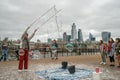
x: 80, y: 36
x: 68, y: 38
x: 73, y: 32
x: 91, y: 37
x: 105, y: 36
x: 64, y: 37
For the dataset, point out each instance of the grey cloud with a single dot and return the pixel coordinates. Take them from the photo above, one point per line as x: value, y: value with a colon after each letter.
x: 97, y: 15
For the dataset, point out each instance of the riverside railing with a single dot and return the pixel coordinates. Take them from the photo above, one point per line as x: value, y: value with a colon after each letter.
x: 76, y: 52
x: 47, y: 53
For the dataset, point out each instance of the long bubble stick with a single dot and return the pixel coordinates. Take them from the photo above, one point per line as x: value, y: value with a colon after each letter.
x: 41, y: 16
x: 50, y: 17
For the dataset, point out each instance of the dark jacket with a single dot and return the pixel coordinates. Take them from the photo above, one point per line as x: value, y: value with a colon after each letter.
x: 118, y: 48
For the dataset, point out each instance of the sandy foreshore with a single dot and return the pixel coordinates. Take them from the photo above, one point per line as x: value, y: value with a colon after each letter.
x: 84, y: 61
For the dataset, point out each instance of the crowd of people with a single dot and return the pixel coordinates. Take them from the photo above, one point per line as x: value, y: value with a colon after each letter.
x: 112, y: 50
x: 23, y: 51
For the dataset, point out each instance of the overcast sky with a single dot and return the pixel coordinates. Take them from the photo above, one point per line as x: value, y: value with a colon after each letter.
x: 92, y: 16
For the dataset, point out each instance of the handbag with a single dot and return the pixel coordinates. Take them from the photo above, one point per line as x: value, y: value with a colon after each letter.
x: 21, y: 52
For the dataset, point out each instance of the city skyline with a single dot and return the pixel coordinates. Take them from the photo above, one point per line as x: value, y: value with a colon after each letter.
x: 75, y: 35
x: 92, y: 16
x: 105, y: 35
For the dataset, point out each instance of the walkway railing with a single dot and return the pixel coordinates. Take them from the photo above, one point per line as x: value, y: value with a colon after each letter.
x: 44, y: 53
x: 75, y: 52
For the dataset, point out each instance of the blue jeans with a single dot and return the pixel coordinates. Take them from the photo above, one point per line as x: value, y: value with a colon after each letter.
x: 4, y: 54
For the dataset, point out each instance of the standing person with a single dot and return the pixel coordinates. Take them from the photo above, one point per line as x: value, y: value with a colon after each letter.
x: 54, y: 49
x: 4, y: 49
x: 17, y: 53
x: 106, y: 49
x: 103, y: 53
x: 23, y: 59
x: 111, y: 51
x: 118, y: 50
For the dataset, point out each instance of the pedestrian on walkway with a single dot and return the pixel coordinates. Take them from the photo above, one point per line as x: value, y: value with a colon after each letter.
x: 118, y: 51
x: 106, y: 49
x: 24, y: 51
x: 111, y: 51
x: 4, y: 50
x: 103, y: 52
x: 54, y: 49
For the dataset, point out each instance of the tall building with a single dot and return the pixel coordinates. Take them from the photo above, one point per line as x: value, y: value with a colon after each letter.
x: 106, y: 36
x: 91, y: 37
x: 80, y: 36
x: 74, y: 32
x: 68, y: 38
x: 64, y: 37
